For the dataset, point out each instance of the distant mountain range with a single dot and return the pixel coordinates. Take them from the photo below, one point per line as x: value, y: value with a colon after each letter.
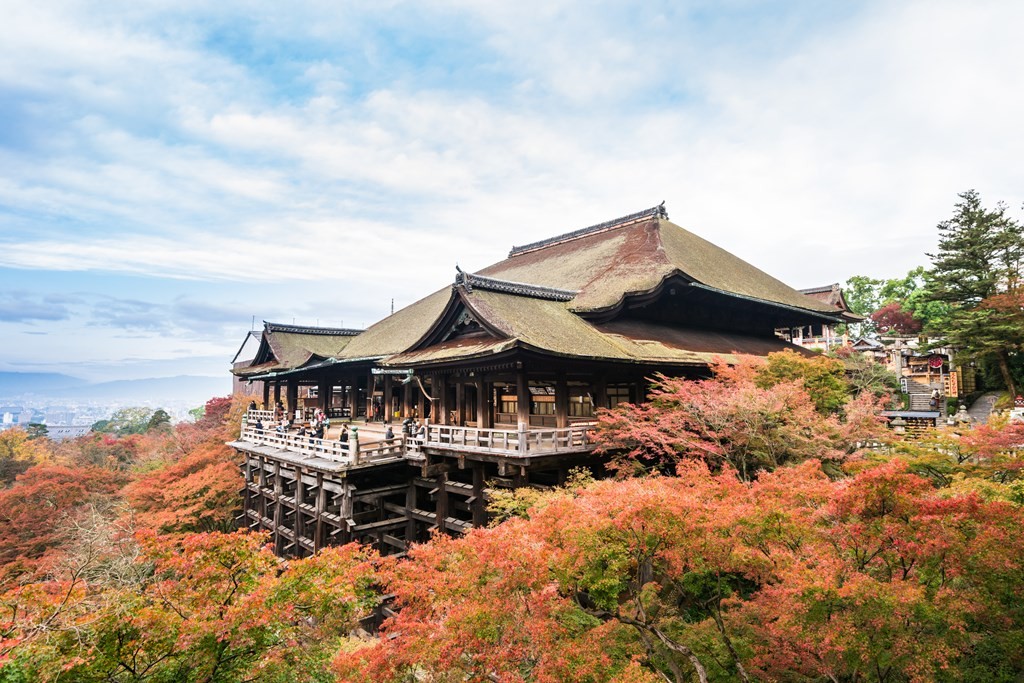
x: 191, y: 388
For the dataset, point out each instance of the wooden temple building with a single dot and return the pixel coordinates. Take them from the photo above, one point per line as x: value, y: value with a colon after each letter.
x: 505, y: 367
x: 823, y: 335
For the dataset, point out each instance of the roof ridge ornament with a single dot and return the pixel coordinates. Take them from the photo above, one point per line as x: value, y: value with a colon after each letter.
x: 658, y: 211
x: 468, y: 281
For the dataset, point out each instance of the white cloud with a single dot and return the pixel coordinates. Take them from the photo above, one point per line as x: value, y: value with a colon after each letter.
x: 831, y: 154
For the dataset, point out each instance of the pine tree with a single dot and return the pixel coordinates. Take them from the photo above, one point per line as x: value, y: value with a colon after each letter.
x: 977, y: 273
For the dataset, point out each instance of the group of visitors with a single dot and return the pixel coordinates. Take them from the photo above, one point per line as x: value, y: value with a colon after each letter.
x: 319, y: 424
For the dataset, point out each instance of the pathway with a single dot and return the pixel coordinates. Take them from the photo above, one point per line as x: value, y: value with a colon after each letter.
x: 982, y: 408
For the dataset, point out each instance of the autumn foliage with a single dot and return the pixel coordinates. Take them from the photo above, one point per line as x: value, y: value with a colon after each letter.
x: 702, y: 576
x: 756, y: 540
x: 199, y: 492
x: 752, y: 416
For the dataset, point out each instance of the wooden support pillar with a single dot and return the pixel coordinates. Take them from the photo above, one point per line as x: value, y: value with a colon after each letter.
x: 443, y: 409
x: 519, y: 477
x: 600, y: 392
x: 346, y: 514
x: 353, y: 393
x: 523, y: 398
x: 299, y: 527
x: 460, y: 402
x: 407, y: 400
x: 263, y: 486
x: 410, y: 521
x: 319, y: 536
x: 247, y: 496
x: 442, y: 501
x: 266, y: 395
x: 388, y: 402
x: 278, y: 509
x: 484, y: 404
x: 561, y: 402
x: 371, y: 385
x: 324, y: 390
x: 421, y: 401
x: 642, y: 389
x: 293, y: 397
x: 277, y: 393
x: 479, y: 505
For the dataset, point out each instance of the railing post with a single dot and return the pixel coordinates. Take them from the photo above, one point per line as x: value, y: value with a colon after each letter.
x: 353, y: 444
x: 522, y: 437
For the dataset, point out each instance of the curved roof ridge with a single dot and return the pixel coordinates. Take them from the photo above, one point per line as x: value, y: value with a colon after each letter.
x: 469, y: 281
x: 658, y: 211
x: 820, y: 290
x: 308, y: 329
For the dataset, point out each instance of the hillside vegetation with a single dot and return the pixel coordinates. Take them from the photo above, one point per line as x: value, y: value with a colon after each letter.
x: 746, y: 537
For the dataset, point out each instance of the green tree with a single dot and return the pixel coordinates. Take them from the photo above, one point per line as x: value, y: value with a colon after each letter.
x: 158, y: 419
x: 37, y: 430
x: 977, y: 275
x: 866, y: 296
x: 134, y: 420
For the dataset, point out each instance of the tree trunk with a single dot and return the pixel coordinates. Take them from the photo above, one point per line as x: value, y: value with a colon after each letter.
x: 1004, y: 368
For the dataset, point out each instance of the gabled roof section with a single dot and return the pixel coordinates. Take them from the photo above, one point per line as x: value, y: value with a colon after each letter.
x: 551, y: 327
x: 832, y: 295
x: 458, y: 319
x: 634, y: 254
x: 251, y: 341
x: 286, y: 347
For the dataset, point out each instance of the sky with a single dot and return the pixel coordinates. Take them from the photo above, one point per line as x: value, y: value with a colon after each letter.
x: 173, y: 171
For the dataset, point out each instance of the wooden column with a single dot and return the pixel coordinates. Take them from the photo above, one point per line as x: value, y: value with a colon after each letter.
x: 442, y: 501
x: 277, y: 394
x: 299, y: 528
x: 561, y: 402
x: 247, y: 496
x: 319, y: 536
x: 278, y: 508
x: 478, y: 505
x: 642, y: 387
x: 600, y: 392
x: 353, y: 393
x: 266, y: 395
x: 421, y: 400
x: 523, y: 398
x: 460, y: 402
x: 370, y: 386
x: 324, y: 389
x: 346, y: 514
x: 443, y: 409
x: 387, y: 401
x: 407, y: 400
x: 293, y: 397
x: 484, y: 411
x: 410, y: 521
x: 263, y: 493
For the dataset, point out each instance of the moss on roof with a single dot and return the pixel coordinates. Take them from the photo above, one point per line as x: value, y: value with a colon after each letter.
x: 636, y: 258
x: 398, y: 331
x: 551, y: 327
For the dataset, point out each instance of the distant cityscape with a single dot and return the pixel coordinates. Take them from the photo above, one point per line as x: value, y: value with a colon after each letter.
x: 69, y: 410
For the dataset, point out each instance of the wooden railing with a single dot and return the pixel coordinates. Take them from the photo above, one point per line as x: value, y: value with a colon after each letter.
x: 348, y: 453
x: 522, y: 442
x: 266, y: 416
x: 504, y: 442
